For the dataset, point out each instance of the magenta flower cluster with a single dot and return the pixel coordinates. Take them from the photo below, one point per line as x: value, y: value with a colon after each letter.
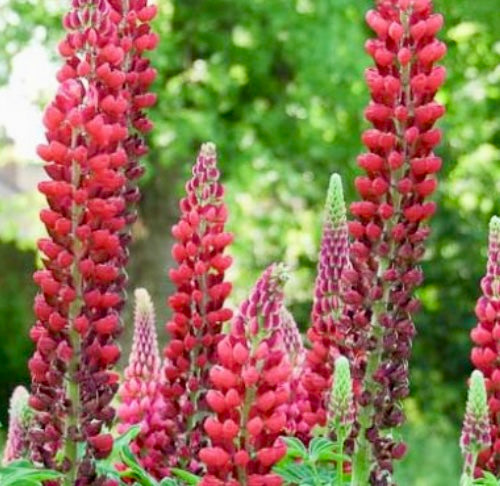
x: 229, y: 385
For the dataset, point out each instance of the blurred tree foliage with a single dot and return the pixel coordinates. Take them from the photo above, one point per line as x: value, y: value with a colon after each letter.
x: 279, y: 87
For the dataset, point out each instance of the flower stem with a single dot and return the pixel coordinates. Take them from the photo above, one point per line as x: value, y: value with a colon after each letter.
x: 73, y: 388
x: 340, y: 463
x: 467, y: 478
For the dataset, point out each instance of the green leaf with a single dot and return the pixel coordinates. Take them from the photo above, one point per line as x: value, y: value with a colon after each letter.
x: 321, y: 447
x: 487, y: 480
x: 187, y: 477
x: 296, y: 473
x: 23, y: 472
x: 136, y: 470
x: 294, y: 447
x: 168, y: 482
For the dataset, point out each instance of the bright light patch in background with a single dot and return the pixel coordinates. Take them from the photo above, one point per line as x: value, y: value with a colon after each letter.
x: 31, y: 82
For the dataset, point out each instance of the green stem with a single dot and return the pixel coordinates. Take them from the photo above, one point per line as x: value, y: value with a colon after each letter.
x: 250, y: 393
x: 340, y: 464
x: 73, y: 387
x: 467, y: 478
x: 362, y: 454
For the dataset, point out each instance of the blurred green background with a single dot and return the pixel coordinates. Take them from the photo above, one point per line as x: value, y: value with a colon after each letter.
x: 278, y: 85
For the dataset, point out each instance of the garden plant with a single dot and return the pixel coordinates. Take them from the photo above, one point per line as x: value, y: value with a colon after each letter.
x: 237, y: 396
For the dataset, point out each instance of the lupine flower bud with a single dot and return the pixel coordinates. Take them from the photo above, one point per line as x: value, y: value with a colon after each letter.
x: 326, y: 333
x: 198, y: 306
x: 390, y: 226
x: 140, y: 392
x: 292, y: 339
x: 341, y: 409
x: 476, y: 431
x: 484, y: 354
x: 20, y: 419
x: 251, y: 392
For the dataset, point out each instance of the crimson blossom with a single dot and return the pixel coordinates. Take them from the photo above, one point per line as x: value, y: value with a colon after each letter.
x: 313, y: 392
x: 390, y: 226
x: 91, y: 127
x: 198, y: 305
x: 484, y: 354
x: 250, y: 391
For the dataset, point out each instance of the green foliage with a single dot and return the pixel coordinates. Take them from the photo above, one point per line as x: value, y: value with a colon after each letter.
x: 487, y: 480
x: 16, y: 295
x: 314, y: 466
x: 432, y: 459
x: 279, y: 87
x: 25, y: 21
x: 23, y: 472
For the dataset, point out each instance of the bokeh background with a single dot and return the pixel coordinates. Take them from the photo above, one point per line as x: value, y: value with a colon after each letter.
x: 278, y: 86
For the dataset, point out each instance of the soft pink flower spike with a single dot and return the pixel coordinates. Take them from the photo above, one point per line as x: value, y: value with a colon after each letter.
x: 144, y: 361
x: 20, y: 417
x: 326, y: 333
x: 250, y: 391
x: 140, y: 392
x: 198, y: 306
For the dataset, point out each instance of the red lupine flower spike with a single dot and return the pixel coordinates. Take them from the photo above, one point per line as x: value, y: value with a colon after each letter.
x: 250, y: 391
x: 198, y: 305
x: 20, y: 419
x: 484, y: 336
x: 390, y: 225
x: 81, y: 288
x: 326, y: 333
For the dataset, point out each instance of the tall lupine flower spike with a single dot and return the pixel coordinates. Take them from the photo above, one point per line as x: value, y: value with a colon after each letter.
x: 485, y: 335
x: 325, y: 333
x: 198, y: 306
x: 140, y: 392
x: 341, y: 410
x: 81, y: 287
x: 20, y: 419
x: 476, y: 429
x: 250, y: 391
x: 390, y: 225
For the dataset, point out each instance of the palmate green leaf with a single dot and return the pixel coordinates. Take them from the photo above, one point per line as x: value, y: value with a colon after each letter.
x: 487, y: 480
x: 135, y: 469
x: 23, y: 472
x: 187, y: 477
x: 295, y: 448
x: 321, y: 448
x: 295, y: 473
